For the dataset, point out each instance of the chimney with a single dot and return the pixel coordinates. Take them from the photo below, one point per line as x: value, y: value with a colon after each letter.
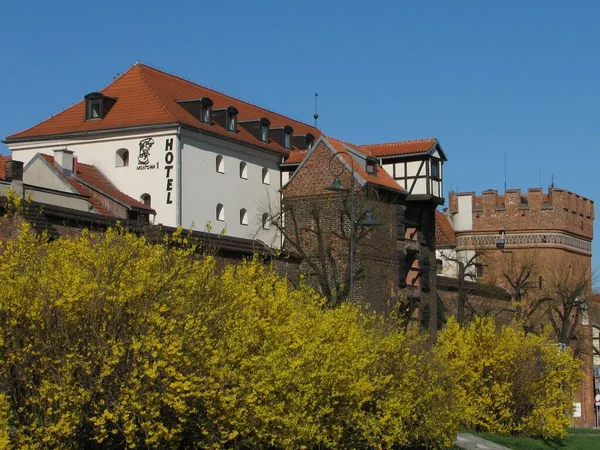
x: 13, y: 170
x: 63, y: 160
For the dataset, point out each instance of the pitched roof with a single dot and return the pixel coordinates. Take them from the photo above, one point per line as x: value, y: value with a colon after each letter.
x: 148, y: 97
x: 381, y: 150
x: 295, y: 156
x: 88, y: 178
x: 381, y: 179
x: 444, y: 233
x: 400, y: 147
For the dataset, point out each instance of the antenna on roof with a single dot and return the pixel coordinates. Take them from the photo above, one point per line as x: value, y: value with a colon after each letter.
x: 552, y: 184
x: 316, y: 114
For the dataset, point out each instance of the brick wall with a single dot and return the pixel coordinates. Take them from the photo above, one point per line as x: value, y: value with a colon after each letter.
x: 312, y: 212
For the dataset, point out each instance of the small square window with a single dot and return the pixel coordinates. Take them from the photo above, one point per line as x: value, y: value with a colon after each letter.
x: 243, y: 170
x: 265, y: 176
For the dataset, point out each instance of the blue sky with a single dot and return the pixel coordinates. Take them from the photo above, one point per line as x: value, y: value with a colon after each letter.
x: 486, y: 78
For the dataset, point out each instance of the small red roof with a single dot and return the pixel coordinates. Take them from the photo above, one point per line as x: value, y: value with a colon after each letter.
x: 88, y: 175
x: 295, y: 156
x: 382, y: 178
x: 147, y: 96
x: 444, y: 233
x: 399, y: 148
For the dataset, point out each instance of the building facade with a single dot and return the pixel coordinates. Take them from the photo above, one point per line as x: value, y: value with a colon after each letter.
x: 210, y: 162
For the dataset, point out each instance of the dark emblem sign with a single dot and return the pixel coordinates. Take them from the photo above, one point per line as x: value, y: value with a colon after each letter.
x: 145, y: 146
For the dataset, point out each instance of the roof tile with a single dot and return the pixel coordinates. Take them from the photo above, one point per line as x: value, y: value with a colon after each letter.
x: 148, y: 96
x: 399, y: 148
x: 382, y: 178
x: 444, y: 233
x: 89, y: 175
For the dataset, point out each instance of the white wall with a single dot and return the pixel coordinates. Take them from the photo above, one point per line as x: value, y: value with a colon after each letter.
x: 133, y: 180
x: 203, y: 187
x: 38, y: 172
x: 463, y: 219
x: 450, y: 259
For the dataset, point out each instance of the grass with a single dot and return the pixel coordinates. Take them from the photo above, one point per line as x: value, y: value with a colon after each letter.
x: 578, y: 439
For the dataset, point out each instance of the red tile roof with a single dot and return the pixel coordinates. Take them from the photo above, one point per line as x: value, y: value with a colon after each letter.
x: 382, y: 178
x: 377, y: 150
x: 296, y: 156
x: 444, y: 233
x: 147, y: 96
x: 88, y: 175
x: 399, y: 148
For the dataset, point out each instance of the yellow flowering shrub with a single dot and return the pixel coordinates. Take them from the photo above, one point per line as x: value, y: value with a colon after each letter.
x: 107, y: 341
x: 509, y: 382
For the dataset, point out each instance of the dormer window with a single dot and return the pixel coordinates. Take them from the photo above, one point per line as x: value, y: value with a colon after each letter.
x: 94, y: 109
x: 97, y: 105
x: 206, y: 110
x: 371, y: 166
x: 231, y: 121
x: 264, y: 129
x: 310, y: 140
x: 287, y: 137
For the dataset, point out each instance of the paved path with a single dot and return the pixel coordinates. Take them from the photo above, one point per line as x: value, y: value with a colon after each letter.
x: 470, y: 442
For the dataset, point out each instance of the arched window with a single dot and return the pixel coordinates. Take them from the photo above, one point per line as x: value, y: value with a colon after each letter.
x: 220, y: 212
x: 146, y: 199
x: 220, y: 164
x: 243, y: 217
x: 265, y: 176
x: 265, y: 221
x: 243, y: 170
x: 122, y: 158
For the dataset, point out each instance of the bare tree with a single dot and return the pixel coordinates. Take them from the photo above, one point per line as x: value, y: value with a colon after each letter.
x: 553, y: 292
x: 466, y: 263
x: 322, y: 239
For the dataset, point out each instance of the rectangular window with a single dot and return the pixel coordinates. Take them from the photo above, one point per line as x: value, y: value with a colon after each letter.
x: 287, y: 140
x: 478, y: 270
x: 435, y: 169
x: 205, y: 114
x: 94, y: 109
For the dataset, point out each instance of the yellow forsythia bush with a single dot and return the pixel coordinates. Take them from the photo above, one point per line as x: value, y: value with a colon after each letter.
x: 107, y: 341
x: 509, y: 382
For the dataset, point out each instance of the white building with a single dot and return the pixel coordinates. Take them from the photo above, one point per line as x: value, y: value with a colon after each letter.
x: 200, y: 159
